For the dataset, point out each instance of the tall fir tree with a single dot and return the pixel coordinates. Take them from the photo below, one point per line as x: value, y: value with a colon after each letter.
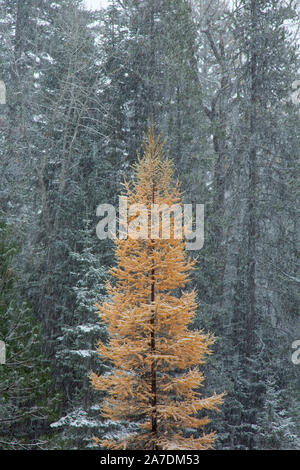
x: 76, y: 351
x: 256, y: 216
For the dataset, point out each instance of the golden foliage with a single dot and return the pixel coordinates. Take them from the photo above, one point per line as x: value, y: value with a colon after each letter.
x: 154, y: 353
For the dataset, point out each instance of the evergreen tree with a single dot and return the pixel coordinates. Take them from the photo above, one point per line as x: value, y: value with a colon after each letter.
x: 278, y: 429
x: 150, y: 69
x: 27, y: 396
x: 76, y: 351
x: 255, y: 209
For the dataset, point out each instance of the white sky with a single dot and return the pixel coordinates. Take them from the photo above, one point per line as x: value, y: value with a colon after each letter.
x: 95, y: 4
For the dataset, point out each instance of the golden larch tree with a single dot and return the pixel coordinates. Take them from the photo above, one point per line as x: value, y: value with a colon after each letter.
x: 156, y: 356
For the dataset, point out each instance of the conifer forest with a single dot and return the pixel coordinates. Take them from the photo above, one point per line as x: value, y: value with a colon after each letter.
x: 113, y: 335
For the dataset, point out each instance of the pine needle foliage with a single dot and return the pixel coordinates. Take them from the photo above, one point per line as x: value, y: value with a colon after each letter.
x: 155, y: 353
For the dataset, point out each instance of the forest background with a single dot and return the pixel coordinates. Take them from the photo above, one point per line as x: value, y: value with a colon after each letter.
x: 221, y: 81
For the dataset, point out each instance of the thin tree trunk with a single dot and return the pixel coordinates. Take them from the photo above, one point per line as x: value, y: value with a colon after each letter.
x: 252, y: 229
x: 153, y: 348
